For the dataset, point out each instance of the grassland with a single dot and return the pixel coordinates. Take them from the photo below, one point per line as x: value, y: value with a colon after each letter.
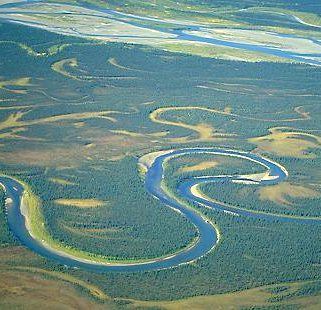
x: 211, y: 51
x: 28, y: 287
x: 198, y: 191
x: 30, y: 290
x: 61, y: 181
x: 204, y: 165
x: 281, y: 192
x: 44, y: 287
x: 288, y: 142
x: 106, y: 234
x: 60, y: 67
x: 260, y: 298
x: 15, y: 119
x: 93, y: 290
x: 81, y: 203
x: 32, y: 286
x: 18, y: 85
x: 205, y: 132
x: 52, y: 50
x: 64, y: 67
x: 301, y: 17
x: 113, y: 61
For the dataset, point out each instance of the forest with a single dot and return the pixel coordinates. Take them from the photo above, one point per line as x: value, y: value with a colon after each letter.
x: 74, y: 131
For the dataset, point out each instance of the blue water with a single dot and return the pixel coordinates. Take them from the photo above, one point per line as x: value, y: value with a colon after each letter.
x: 180, y: 34
x: 207, y: 233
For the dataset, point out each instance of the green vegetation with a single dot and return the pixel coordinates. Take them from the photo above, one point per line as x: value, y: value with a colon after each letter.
x: 116, y: 236
x: 6, y: 237
x: 308, y: 18
x: 209, y: 11
x: 80, y: 140
x: 249, y: 197
x: 52, y: 50
x: 219, y: 52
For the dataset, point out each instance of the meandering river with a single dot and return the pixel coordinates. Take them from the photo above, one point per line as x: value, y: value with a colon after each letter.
x: 208, y: 234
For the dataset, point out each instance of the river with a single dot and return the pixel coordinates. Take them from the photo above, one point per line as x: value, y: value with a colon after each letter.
x: 207, y: 232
